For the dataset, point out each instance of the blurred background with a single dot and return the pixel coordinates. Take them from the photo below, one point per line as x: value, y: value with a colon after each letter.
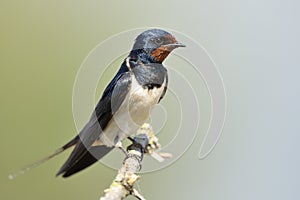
x: 255, y: 45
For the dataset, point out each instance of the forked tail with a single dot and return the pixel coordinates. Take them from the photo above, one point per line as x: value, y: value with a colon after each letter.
x: 41, y: 161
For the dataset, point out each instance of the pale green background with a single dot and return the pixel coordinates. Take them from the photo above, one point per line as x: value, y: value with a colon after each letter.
x: 255, y: 45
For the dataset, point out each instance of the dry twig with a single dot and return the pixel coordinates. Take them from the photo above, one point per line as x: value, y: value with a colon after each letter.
x: 144, y: 142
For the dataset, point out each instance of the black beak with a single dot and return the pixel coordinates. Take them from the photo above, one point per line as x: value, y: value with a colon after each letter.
x: 176, y: 45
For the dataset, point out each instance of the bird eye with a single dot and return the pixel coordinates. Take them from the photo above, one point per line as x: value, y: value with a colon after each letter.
x: 159, y: 41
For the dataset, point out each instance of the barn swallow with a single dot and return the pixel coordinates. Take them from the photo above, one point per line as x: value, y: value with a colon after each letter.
x: 126, y: 103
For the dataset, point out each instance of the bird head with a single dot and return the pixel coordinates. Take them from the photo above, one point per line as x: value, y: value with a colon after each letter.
x: 154, y: 45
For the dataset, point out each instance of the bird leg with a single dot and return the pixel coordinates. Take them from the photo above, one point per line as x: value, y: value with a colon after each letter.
x: 139, y: 144
x: 131, y: 139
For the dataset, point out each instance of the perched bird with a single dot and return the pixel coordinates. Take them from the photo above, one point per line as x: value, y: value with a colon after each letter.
x: 125, y: 105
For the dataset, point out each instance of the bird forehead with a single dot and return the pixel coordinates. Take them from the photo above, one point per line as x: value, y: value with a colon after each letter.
x: 170, y: 38
x: 152, y: 33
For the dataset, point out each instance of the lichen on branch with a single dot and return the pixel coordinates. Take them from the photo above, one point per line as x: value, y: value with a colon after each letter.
x: 122, y: 186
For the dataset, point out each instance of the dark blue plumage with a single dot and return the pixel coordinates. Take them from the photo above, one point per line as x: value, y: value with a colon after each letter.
x: 140, y: 83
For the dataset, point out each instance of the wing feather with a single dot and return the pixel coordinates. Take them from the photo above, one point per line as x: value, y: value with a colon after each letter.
x: 100, y: 118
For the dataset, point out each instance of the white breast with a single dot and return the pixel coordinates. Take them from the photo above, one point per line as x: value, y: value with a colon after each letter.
x: 132, y: 114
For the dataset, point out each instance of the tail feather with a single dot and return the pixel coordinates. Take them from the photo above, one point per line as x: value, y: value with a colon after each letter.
x: 94, y: 154
x: 78, y: 152
x: 43, y: 160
